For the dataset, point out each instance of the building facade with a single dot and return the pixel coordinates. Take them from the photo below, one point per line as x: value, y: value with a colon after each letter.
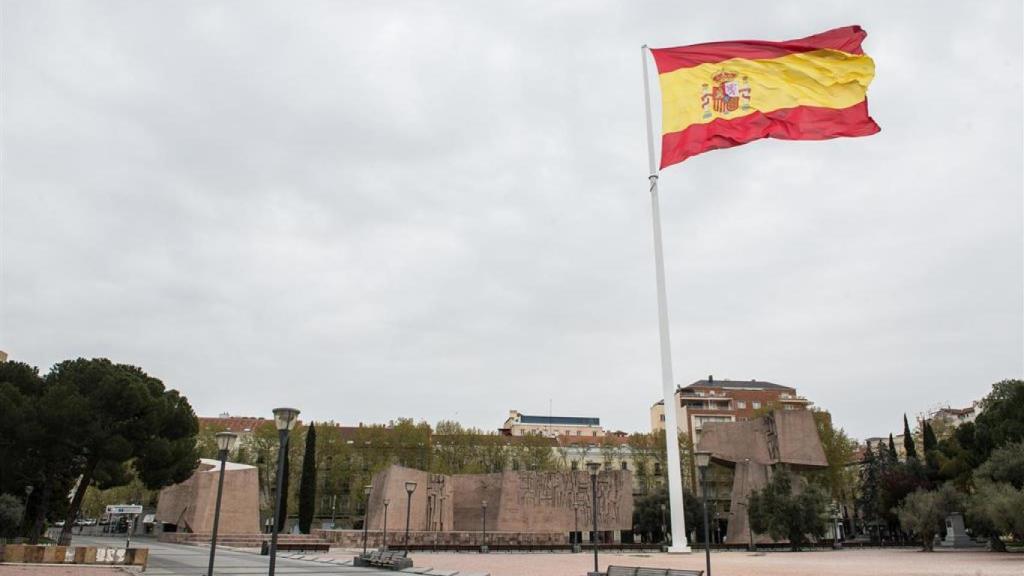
x: 518, y: 424
x: 713, y: 400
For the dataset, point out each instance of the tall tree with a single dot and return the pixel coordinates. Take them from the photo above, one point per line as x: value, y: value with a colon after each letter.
x: 868, y: 500
x: 131, y: 419
x: 1002, y: 417
x: 893, y: 456
x: 307, y: 485
x: 839, y: 479
x: 908, y: 440
x: 928, y: 438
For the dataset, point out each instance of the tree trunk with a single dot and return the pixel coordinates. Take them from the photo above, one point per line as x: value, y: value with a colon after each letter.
x: 76, y: 502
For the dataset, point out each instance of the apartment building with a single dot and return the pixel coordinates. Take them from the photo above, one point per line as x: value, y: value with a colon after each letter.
x: 518, y: 424
x: 713, y: 400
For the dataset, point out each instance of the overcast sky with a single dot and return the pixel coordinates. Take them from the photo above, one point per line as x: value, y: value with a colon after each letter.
x: 371, y: 210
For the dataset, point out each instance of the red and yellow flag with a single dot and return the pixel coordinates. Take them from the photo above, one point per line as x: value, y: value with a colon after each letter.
x: 724, y: 94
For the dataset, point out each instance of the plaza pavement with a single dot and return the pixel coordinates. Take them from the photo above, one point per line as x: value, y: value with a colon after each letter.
x: 180, y: 559
x: 866, y: 562
x: 187, y: 560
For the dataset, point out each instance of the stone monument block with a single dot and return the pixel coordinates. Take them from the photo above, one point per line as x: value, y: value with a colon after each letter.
x: 190, y: 504
x: 529, y: 502
x: 752, y: 448
x: 956, y: 534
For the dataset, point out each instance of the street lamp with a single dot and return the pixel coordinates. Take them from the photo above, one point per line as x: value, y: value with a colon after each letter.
x: 366, y: 514
x: 225, y: 442
x: 410, y: 487
x: 387, y: 501
x: 594, y: 467
x: 441, y: 515
x: 24, y: 522
x: 746, y: 505
x: 575, y: 540
x: 664, y: 534
x: 284, y: 420
x: 703, y: 459
x: 836, y: 544
x: 483, y: 525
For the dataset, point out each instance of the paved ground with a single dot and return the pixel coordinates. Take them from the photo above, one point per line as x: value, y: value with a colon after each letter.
x: 180, y: 559
x: 176, y: 559
x: 887, y: 562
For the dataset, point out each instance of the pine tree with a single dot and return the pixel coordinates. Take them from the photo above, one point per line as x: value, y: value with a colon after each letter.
x: 908, y: 440
x: 893, y: 457
x: 307, y: 485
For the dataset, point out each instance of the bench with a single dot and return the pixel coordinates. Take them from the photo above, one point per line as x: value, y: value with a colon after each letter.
x: 295, y: 547
x: 392, y: 560
x: 638, y: 571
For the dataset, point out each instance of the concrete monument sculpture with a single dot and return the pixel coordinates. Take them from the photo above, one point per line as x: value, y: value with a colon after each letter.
x: 189, y: 506
x: 516, y: 501
x: 753, y: 447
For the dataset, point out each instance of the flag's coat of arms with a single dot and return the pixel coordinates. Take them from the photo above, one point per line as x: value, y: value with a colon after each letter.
x: 723, y: 94
x: 728, y: 94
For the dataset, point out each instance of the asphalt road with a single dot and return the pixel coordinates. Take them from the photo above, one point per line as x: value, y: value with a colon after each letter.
x: 186, y: 560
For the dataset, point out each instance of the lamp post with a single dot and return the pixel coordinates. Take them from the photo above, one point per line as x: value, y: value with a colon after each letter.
x: 703, y: 460
x: 594, y: 467
x: 24, y: 522
x: 410, y: 487
x: 285, y: 420
x: 225, y: 442
x: 387, y: 501
x: 664, y: 534
x: 366, y: 515
x: 836, y: 544
x: 441, y: 514
x: 576, y: 532
x: 746, y: 506
x: 483, y: 526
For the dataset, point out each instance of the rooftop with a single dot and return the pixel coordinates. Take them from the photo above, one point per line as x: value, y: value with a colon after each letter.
x: 738, y: 384
x: 559, y: 420
x: 234, y: 423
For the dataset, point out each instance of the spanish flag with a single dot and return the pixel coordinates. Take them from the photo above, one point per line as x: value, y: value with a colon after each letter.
x: 724, y: 94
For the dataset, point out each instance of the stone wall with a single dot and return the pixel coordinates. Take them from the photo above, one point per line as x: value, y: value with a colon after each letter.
x: 396, y: 539
x: 517, y: 502
x: 40, y: 554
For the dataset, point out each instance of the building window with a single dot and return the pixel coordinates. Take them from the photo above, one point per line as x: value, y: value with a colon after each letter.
x: 624, y: 465
x: 755, y: 405
x: 662, y: 417
x: 575, y: 465
x: 594, y: 433
x: 741, y: 404
x: 657, y: 468
x: 577, y: 433
x: 607, y: 465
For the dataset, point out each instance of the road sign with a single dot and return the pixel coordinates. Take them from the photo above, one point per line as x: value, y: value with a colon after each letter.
x: 124, y: 509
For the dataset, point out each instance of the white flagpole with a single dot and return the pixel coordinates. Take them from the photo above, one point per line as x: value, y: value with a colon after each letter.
x: 675, y: 478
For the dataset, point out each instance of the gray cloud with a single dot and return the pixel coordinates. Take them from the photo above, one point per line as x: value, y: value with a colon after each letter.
x: 404, y: 209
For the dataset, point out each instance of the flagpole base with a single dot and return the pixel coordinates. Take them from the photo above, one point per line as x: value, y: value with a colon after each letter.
x: 679, y: 550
